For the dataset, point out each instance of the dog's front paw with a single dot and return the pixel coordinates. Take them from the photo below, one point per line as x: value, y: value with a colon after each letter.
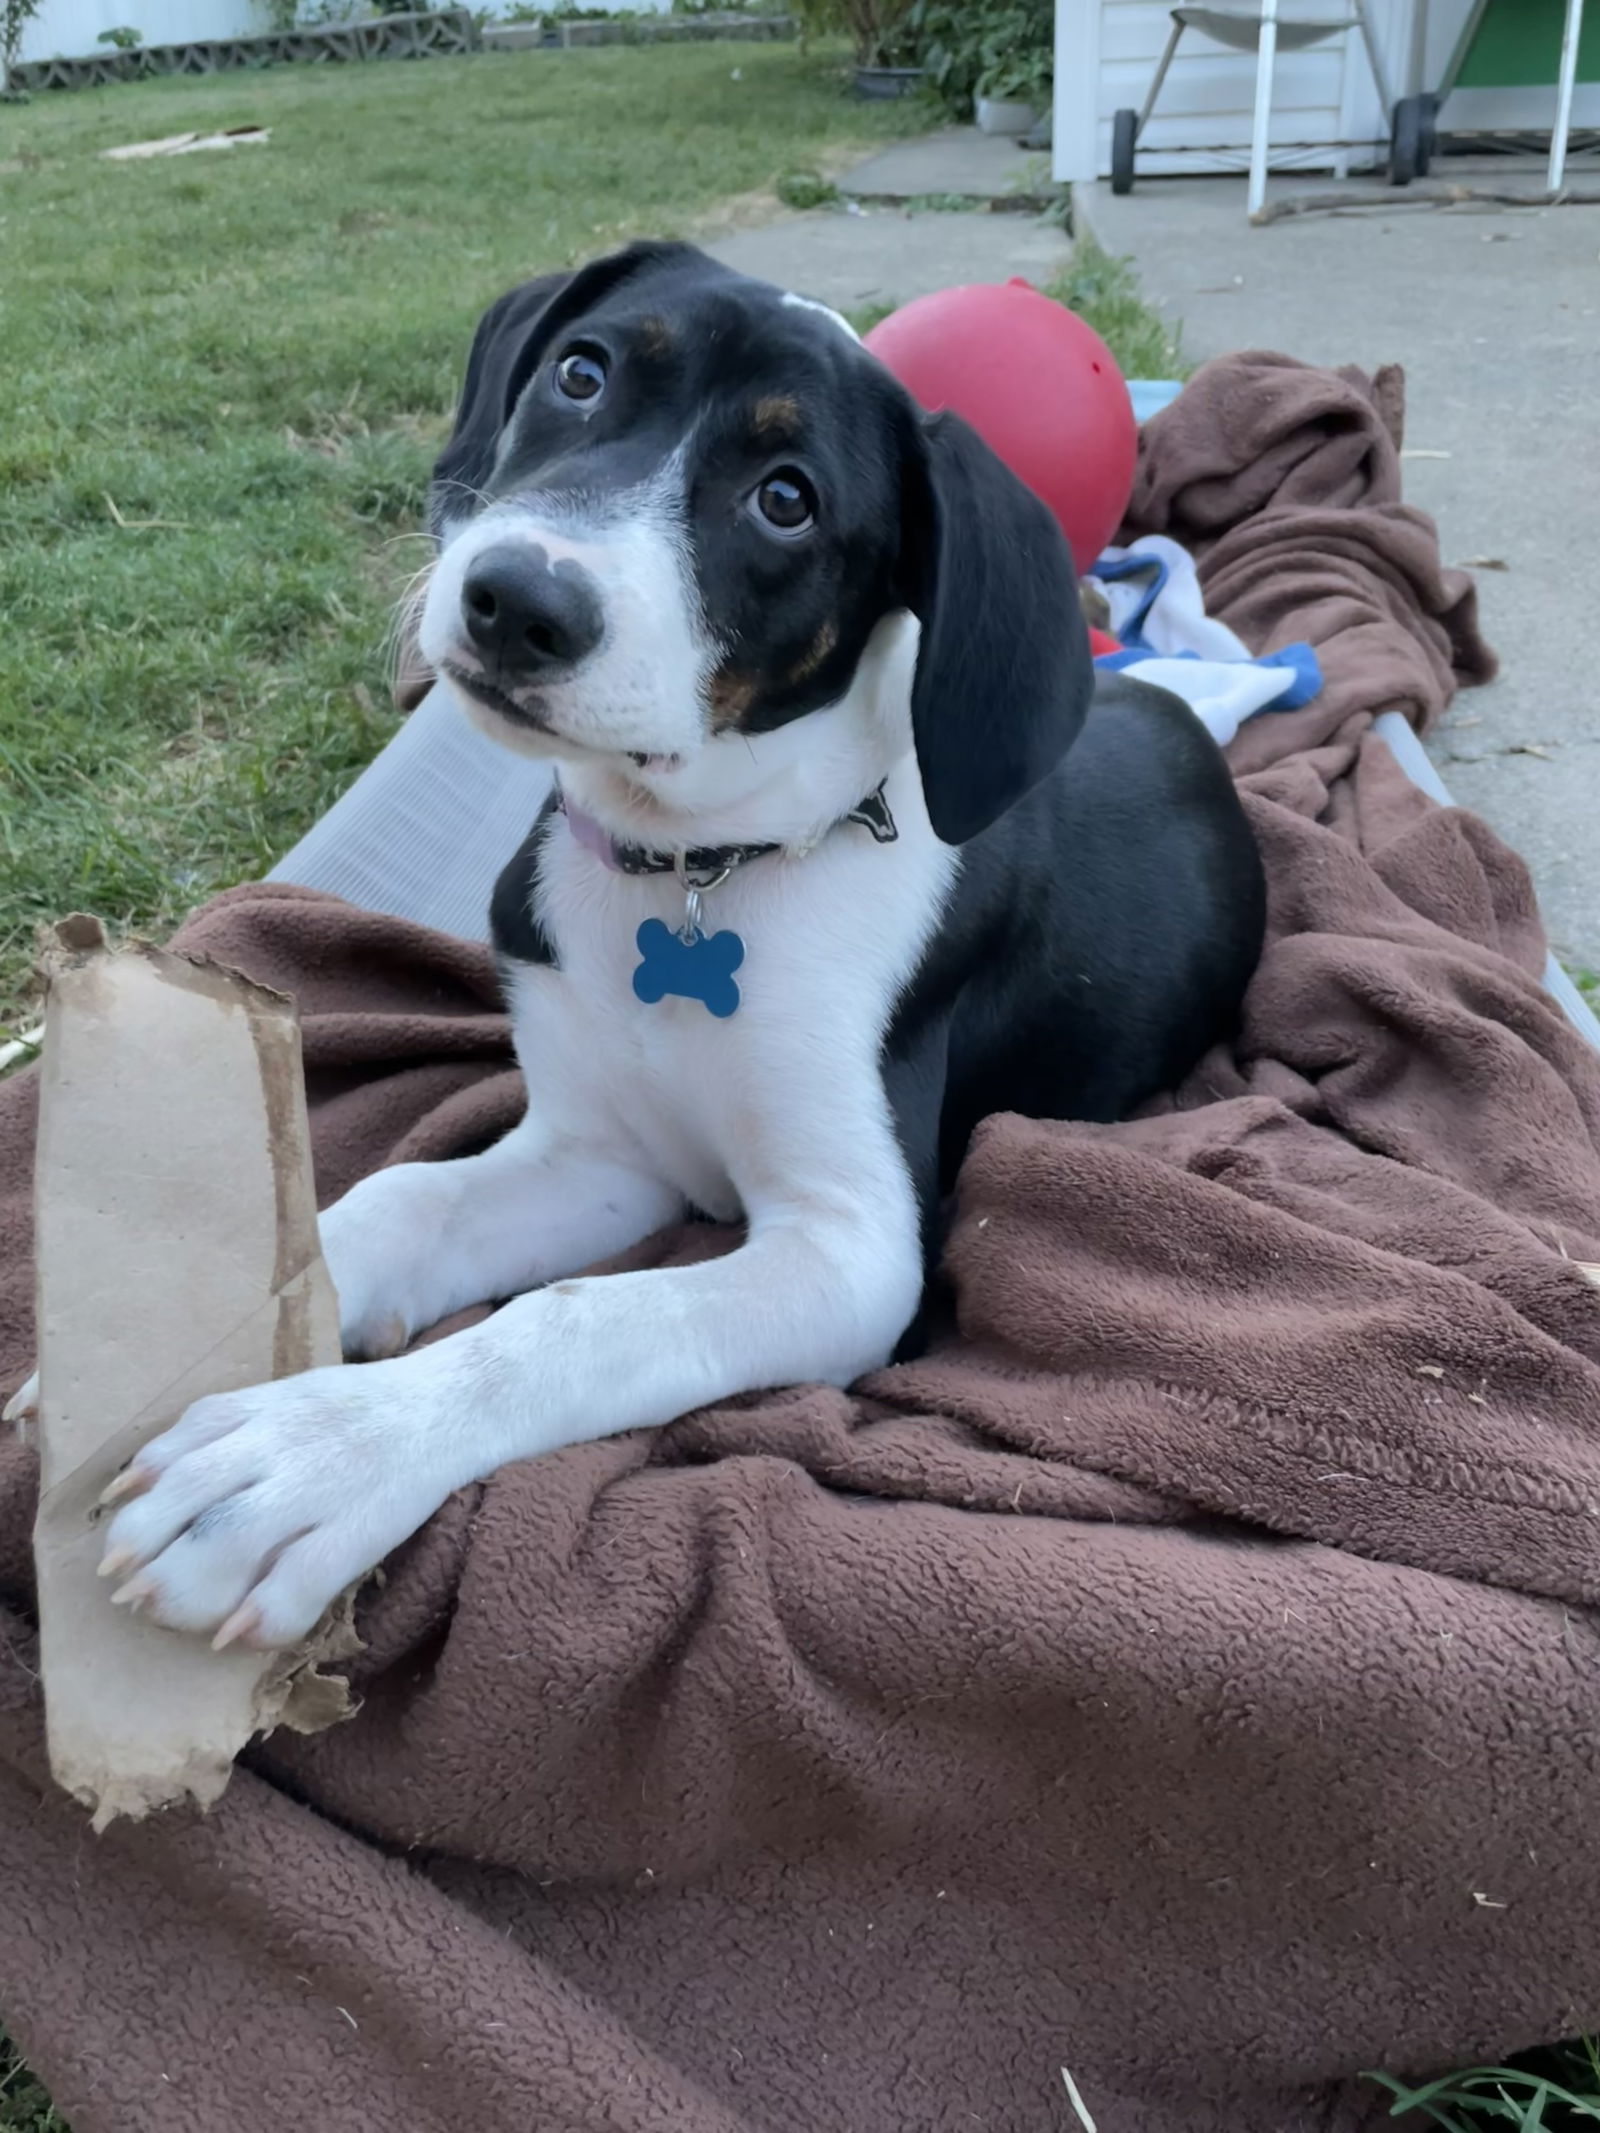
x: 382, y: 1244
x: 257, y: 1509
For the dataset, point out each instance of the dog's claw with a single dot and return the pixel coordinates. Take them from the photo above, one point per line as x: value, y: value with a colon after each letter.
x: 240, y: 1627
x: 132, y: 1481
x: 23, y: 1405
x: 119, y: 1560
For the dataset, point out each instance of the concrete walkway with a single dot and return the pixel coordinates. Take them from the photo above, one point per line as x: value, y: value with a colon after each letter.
x: 1495, y: 313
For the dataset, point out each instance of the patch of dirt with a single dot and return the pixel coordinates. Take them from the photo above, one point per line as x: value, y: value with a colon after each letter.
x: 748, y: 211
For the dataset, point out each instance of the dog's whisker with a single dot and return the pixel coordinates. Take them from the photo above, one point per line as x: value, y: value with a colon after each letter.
x: 466, y: 488
x: 415, y: 589
x: 400, y: 648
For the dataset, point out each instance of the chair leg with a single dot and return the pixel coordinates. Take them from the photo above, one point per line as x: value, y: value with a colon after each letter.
x: 1567, y: 80
x: 1161, y: 75
x: 1266, y: 57
x: 1380, y: 79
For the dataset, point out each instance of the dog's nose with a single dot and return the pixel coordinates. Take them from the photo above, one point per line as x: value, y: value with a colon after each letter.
x: 527, y: 615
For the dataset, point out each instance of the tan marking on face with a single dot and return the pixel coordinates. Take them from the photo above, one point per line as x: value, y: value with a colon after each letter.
x: 655, y: 337
x: 776, y: 419
x: 815, y: 653
x: 731, y: 695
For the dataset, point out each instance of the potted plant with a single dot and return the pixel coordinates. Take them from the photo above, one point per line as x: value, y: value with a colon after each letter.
x: 1014, y: 93
x: 885, y: 52
x: 1001, y: 52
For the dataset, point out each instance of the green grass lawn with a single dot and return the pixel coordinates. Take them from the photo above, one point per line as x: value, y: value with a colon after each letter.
x: 224, y: 379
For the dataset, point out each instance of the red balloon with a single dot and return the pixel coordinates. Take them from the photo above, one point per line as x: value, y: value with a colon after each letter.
x: 1040, y: 388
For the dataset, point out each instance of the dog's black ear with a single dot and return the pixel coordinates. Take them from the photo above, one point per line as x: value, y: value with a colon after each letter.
x: 511, y: 342
x: 1003, y: 676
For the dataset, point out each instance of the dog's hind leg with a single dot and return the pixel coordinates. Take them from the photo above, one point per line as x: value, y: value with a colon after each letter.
x: 409, y: 1245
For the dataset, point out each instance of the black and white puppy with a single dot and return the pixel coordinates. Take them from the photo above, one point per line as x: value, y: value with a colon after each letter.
x: 818, y: 658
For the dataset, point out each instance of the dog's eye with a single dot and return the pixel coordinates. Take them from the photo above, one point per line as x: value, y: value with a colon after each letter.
x: 786, y: 501
x: 581, y: 375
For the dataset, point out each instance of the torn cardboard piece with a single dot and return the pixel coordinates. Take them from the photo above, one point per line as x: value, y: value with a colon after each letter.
x: 177, y: 1255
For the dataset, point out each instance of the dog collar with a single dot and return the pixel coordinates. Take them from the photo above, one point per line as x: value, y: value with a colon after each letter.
x: 686, y: 963
x: 706, y: 866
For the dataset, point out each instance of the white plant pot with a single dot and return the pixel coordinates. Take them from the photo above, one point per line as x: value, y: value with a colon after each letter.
x: 1005, y: 115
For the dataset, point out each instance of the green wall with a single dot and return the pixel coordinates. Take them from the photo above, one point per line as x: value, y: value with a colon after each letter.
x: 1518, y: 45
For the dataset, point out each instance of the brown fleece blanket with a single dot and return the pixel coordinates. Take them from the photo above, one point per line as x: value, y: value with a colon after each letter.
x: 1184, y: 1677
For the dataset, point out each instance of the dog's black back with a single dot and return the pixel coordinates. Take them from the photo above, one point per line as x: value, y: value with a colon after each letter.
x: 1099, y: 941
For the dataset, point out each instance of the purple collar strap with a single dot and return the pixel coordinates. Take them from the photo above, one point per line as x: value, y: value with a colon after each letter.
x: 705, y: 862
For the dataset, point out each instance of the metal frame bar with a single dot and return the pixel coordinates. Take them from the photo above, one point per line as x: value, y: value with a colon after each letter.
x: 1380, y: 80
x: 1463, y: 45
x: 1566, y: 83
x: 1161, y: 75
x: 1417, y: 54
x: 1261, y: 129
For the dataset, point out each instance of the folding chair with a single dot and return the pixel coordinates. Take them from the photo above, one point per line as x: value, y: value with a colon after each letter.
x: 1414, y: 134
x: 1261, y: 29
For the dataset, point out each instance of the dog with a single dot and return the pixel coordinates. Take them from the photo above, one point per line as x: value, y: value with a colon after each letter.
x: 848, y: 847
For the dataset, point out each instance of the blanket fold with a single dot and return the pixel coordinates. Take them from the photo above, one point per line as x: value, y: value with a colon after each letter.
x: 1183, y: 1675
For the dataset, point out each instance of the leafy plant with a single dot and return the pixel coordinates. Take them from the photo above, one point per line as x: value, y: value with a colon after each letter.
x: 880, y: 31
x: 817, y: 18
x: 1023, y: 77
x: 804, y: 189
x: 125, y: 39
x: 15, y: 15
x: 999, y: 48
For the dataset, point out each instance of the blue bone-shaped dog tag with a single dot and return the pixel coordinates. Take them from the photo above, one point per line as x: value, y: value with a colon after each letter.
x: 700, y: 968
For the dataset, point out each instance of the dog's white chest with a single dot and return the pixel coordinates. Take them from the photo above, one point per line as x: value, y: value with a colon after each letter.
x: 718, y: 1106
x: 642, y: 1075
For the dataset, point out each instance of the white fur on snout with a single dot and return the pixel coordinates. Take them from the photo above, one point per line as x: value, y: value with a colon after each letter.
x: 643, y: 689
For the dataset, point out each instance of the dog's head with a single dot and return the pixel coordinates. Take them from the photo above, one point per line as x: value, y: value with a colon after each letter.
x: 678, y: 503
